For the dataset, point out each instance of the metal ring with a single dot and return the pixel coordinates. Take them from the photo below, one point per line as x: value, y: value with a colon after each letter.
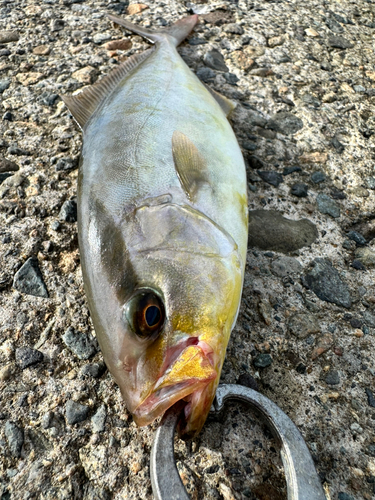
x: 301, y: 477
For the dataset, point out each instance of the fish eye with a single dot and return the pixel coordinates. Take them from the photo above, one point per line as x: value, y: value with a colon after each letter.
x: 145, y: 313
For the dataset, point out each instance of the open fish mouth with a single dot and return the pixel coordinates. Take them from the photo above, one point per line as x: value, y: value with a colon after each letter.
x: 190, y: 373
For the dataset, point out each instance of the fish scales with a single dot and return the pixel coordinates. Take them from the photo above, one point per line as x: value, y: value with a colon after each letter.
x: 162, y: 222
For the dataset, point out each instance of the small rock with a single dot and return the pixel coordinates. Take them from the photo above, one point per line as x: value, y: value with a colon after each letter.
x: 247, y: 380
x: 57, y: 25
x: 136, y: 8
x: 6, y: 372
x: 85, y: 75
x: 206, y: 74
x: 339, y: 42
x: 326, y: 205
x: 68, y: 211
x: 370, y: 182
x: 75, y: 412
x: 15, y: 437
x: 357, y: 264
x: 325, y: 66
x: 123, y: 44
x: 242, y: 60
x: 324, y: 280
x: 28, y: 279
x: 8, y: 36
x: 336, y: 194
x: 249, y: 146
x: 8, y: 166
x: 15, y: 150
x: 41, y: 50
x: 356, y: 429
x: 215, y: 60
x: 218, y: 17
x: 359, y: 88
x: 7, y: 116
x: 29, y: 78
x: 273, y: 178
x: 262, y: 361
x: 283, y: 266
x: 269, y: 230
x: 345, y: 496
x: 337, y: 145
x: 311, y: 32
x: 25, y: 357
x: 98, y: 420
x: 231, y: 78
x: 100, y: 38
x: 46, y: 420
x: 332, y: 377
x: 285, y: 123
x: 66, y: 164
x: 234, y: 28
x: 357, y: 237
x: 299, y: 189
x: 82, y: 345
x: 4, y: 84
x: 366, y: 256
x: 333, y: 25
x: 265, y: 311
x: 94, y: 370
x: 94, y: 460
x: 370, y: 397
x: 324, y: 343
x: 301, y: 325
x: 291, y: 170
x: 318, y: 177
x: 316, y: 157
x: 49, y: 99
x: 276, y: 41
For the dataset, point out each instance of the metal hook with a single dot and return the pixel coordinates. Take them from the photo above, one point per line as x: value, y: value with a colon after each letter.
x: 301, y: 477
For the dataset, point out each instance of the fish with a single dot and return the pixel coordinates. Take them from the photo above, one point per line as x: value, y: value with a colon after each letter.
x: 162, y: 226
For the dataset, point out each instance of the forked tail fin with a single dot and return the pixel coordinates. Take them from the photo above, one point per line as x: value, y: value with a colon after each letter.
x: 175, y: 33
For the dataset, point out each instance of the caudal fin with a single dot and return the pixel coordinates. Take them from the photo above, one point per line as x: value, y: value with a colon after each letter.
x: 175, y: 33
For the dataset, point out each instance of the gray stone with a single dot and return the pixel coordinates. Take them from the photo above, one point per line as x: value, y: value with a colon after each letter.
x: 359, y: 88
x: 366, y: 256
x: 299, y: 189
x: 68, y: 211
x: 231, y: 78
x: 269, y: 230
x: 215, y: 60
x: 75, y: 412
x: 82, y: 345
x: 318, y: 177
x: 301, y: 325
x: 357, y: 238
x: 8, y: 36
x: 26, y: 356
x: 262, y: 361
x: 339, y: 42
x: 28, y: 279
x: 4, y: 84
x: 337, y: 145
x: 283, y: 266
x: 234, y: 28
x: 370, y: 397
x: 100, y: 38
x: 285, y: 123
x: 369, y: 318
x: 326, y: 205
x: 332, y: 377
x: 333, y: 25
x: 370, y: 182
x: 197, y: 41
x: 15, y: 437
x: 345, y: 496
x: 8, y: 166
x: 66, y: 164
x: 273, y: 178
x: 249, y: 146
x: 98, y: 420
x: 324, y: 280
x: 94, y: 370
x: 15, y: 150
x: 206, y: 74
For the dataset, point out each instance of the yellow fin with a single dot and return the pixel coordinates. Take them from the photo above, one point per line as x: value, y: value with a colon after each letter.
x: 226, y: 104
x: 190, y: 165
x: 83, y: 105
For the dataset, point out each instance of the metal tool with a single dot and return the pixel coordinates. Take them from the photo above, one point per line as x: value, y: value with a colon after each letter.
x: 301, y: 477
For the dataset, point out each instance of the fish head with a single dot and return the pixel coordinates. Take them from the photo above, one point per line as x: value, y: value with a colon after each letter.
x: 164, y: 325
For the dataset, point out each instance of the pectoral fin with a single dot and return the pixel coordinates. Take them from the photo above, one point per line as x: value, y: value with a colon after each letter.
x: 190, y: 165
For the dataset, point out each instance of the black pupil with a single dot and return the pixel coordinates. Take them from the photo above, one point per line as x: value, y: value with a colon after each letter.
x: 152, y: 315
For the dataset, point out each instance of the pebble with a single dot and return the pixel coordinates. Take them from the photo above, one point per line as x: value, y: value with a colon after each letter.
x: 357, y: 238
x: 15, y: 150
x: 271, y: 177
x: 98, y: 420
x: 100, y: 38
x: 123, y: 44
x: 49, y: 99
x: 370, y: 397
x: 299, y: 189
x: 269, y: 230
x: 28, y: 279
x: 339, y: 42
x: 276, y: 41
x: 318, y: 177
x: 262, y: 361
x: 324, y: 280
x: 215, y: 60
x: 247, y: 380
x: 301, y: 325
x: 8, y: 36
x: 366, y: 256
x: 356, y: 429
x: 206, y: 74
x: 94, y: 370
x: 4, y: 84
x: 136, y: 8
x: 85, y: 75
x: 345, y: 496
x: 234, y: 28
x: 326, y: 205
x: 41, y: 50
x: 285, y: 123
x: 291, y: 170
x: 249, y: 146
x: 26, y: 356
x: 68, y: 211
x: 370, y: 182
x: 337, y: 145
x: 81, y: 344
x: 332, y: 377
x: 56, y: 25
x: 15, y: 437
x: 7, y: 116
x: 66, y: 164
x: 231, y: 78
x: 75, y: 412
x: 283, y: 266
x: 316, y: 157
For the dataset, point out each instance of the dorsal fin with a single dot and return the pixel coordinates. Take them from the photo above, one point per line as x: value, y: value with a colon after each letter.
x: 175, y: 33
x: 83, y: 105
x: 190, y: 165
x: 226, y: 104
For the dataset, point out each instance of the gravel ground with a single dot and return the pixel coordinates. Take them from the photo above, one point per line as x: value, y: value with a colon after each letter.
x: 303, y: 76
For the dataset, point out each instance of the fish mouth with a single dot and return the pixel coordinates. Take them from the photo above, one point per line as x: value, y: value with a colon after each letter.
x: 190, y: 370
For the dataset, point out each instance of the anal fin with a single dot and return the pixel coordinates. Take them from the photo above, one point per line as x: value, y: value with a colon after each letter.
x: 83, y: 105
